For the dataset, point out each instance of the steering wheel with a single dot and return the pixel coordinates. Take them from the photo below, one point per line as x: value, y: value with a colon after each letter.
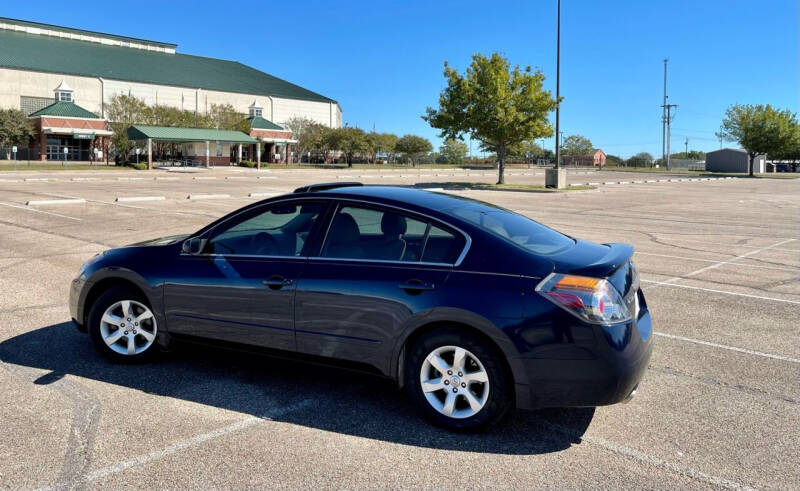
x: 264, y: 244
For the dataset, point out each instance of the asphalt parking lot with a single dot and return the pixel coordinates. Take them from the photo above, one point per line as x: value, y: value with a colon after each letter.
x: 719, y: 406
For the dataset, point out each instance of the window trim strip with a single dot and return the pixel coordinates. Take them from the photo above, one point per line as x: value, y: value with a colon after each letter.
x: 338, y: 202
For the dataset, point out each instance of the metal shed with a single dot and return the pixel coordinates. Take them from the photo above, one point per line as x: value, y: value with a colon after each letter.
x: 733, y: 160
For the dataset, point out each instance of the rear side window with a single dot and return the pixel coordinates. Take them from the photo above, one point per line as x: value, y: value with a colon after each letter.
x: 387, y: 235
x: 517, y: 229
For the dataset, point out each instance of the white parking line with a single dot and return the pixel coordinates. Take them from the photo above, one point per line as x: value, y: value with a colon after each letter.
x: 194, y: 441
x: 731, y: 348
x: 71, y: 201
x: 39, y: 211
x: 747, y: 265
x: 676, y: 279
x: 123, y: 199
x: 712, y: 290
x: 663, y: 464
x: 741, y: 256
x: 208, y: 196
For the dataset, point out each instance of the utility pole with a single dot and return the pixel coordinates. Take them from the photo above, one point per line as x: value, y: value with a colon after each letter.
x: 664, y: 116
x: 686, y: 148
x: 669, y: 116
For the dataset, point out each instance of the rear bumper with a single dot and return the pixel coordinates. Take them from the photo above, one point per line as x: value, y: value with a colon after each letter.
x: 607, y: 373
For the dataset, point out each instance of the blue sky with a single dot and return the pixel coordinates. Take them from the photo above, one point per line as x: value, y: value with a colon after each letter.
x: 383, y: 60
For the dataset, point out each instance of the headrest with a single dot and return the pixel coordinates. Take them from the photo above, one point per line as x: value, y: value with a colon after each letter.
x: 344, y: 229
x: 393, y: 225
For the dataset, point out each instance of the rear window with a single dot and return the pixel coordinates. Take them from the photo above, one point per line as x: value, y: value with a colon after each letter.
x: 517, y: 229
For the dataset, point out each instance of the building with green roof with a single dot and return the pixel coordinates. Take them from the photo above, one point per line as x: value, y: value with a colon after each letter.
x: 37, y: 58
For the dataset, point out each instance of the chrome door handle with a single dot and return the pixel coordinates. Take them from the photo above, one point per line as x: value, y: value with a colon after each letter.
x: 277, y: 282
x: 415, y: 285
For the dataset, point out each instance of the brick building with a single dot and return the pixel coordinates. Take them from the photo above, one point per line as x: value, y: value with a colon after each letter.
x: 597, y: 159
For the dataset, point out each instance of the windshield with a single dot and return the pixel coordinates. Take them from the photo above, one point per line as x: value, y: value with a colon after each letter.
x: 517, y: 229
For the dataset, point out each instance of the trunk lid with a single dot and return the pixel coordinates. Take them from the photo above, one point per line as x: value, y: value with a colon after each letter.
x: 612, y: 261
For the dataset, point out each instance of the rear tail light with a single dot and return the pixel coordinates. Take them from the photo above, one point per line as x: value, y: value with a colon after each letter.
x: 593, y: 300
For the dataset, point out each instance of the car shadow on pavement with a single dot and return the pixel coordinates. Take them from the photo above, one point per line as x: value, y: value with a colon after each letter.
x: 322, y: 397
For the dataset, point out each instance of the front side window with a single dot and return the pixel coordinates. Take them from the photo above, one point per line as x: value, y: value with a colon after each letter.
x: 65, y: 96
x: 280, y: 230
x: 387, y: 235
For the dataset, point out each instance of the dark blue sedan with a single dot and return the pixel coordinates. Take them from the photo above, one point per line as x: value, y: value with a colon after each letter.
x: 474, y: 309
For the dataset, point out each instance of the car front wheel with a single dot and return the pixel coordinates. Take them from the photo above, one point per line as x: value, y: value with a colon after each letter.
x: 457, y: 380
x: 122, y: 326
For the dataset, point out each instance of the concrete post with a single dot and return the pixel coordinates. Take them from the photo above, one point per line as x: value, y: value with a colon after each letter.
x: 208, y: 156
x: 149, y: 154
x: 258, y: 155
x: 239, y: 153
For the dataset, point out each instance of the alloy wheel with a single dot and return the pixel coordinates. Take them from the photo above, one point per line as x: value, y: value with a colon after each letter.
x: 128, y: 327
x: 454, y: 382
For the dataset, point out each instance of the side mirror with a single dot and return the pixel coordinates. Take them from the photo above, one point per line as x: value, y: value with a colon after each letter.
x: 193, y: 246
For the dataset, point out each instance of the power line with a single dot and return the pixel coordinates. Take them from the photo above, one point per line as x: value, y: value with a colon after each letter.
x: 696, y: 130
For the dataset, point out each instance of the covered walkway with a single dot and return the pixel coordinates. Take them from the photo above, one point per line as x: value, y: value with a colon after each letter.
x: 197, y: 142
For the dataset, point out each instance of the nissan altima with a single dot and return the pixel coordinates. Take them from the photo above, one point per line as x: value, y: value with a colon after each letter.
x: 473, y: 309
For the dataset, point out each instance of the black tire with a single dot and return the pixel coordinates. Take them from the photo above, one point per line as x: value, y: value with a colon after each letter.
x: 108, y: 298
x: 500, y: 399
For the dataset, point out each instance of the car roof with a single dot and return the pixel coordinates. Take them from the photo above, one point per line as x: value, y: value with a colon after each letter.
x: 411, y: 197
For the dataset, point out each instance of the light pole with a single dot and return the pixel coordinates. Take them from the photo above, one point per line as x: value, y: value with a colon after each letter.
x: 558, y: 82
x: 557, y: 176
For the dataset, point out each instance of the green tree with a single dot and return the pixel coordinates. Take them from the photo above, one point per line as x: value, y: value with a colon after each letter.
x: 493, y: 103
x: 577, y: 145
x: 791, y: 155
x: 528, y: 151
x: 351, y: 142
x: 302, y: 129
x: 225, y: 117
x: 122, y: 112
x: 321, y: 140
x: 641, y: 159
x: 614, y: 160
x: 388, y: 141
x: 760, y: 129
x: 453, y: 151
x: 15, y: 129
x: 380, y: 143
x: 413, y: 147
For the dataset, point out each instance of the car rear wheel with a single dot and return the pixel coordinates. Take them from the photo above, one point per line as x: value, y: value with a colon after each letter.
x: 122, y: 326
x: 457, y: 380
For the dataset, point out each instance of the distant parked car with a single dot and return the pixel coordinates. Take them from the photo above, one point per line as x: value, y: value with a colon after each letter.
x: 473, y: 309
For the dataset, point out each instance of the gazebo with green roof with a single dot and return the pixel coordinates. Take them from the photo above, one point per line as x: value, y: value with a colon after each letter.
x: 197, y: 141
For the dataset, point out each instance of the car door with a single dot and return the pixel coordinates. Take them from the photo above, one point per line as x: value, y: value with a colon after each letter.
x: 241, y: 287
x: 377, y: 267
